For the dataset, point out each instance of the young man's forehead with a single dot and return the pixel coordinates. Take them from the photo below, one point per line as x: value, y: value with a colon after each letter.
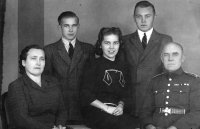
x: 65, y: 19
x: 146, y: 9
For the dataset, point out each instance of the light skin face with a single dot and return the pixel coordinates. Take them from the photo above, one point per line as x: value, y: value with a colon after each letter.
x: 172, y: 57
x: 35, y: 62
x: 110, y: 46
x: 144, y: 18
x: 69, y: 28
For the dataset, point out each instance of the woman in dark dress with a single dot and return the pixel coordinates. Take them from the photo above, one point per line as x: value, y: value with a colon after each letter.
x: 105, y: 85
x: 34, y: 101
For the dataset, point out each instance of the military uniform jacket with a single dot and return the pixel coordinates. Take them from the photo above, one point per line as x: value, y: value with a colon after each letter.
x: 178, y: 90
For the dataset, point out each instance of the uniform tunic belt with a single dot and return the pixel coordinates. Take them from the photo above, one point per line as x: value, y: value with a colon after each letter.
x: 170, y: 110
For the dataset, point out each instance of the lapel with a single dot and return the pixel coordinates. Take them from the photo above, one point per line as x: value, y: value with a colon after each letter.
x: 137, y: 43
x: 137, y: 52
x: 63, y: 52
x: 78, y: 53
x: 151, y: 44
x: 30, y: 83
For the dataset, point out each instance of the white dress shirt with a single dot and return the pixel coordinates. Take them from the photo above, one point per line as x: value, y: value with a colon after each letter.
x: 148, y: 34
x: 66, y: 43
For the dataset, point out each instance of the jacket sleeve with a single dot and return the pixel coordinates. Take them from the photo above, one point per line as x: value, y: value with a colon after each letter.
x: 122, y: 53
x: 88, y: 84
x: 125, y: 94
x: 191, y: 120
x: 146, y: 113
x: 47, y: 68
x: 61, y: 113
x: 18, y: 109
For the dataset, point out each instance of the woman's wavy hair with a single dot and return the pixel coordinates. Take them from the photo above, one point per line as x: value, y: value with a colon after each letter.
x: 107, y: 31
x: 24, y: 54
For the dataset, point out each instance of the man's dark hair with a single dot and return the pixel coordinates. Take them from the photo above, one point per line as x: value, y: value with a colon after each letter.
x: 67, y: 14
x: 144, y: 4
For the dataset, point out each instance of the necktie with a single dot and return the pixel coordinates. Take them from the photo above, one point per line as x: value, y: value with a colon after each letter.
x: 71, y: 50
x: 144, y: 41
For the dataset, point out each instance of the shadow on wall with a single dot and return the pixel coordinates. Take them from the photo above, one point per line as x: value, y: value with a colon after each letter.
x: 2, y: 23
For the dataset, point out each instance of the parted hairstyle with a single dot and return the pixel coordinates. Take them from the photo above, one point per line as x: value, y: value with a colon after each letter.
x: 24, y: 54
x: 67, y: 14
x: 104, y: 32
x: 144, y: 4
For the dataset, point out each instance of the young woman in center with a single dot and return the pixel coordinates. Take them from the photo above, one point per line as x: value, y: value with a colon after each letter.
x: 105, y: 85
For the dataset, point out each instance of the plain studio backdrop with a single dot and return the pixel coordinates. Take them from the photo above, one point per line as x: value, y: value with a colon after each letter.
x: 35, y: 22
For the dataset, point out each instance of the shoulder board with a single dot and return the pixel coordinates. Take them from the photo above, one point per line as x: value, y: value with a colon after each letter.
x: 192, y: 74
x: 158, y: 75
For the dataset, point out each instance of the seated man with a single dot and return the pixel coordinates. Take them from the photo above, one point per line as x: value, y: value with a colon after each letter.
x: 173, y: 98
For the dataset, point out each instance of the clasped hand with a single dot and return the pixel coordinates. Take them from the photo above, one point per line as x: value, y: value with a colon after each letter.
x: 59, y: 127
x: 150, y: 126
x: 115, y: 110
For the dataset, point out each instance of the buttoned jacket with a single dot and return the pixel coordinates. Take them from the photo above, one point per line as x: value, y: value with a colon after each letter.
x: 145, y: 63
x: 68, y: 72
x: 177, y: 90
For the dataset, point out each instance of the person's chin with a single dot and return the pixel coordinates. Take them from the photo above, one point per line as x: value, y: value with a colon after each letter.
x: 143, y: 29
x: 71, y: 37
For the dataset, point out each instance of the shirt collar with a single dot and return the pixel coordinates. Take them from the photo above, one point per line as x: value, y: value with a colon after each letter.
x: 148, y: 34
x: 174, y: 74
x: 66, y: 42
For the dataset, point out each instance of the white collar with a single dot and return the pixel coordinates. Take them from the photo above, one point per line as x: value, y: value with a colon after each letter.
x: 148, y: 34
x: 66, y: 42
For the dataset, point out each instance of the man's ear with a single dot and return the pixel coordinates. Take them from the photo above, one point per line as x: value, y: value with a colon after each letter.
x: 183, y: 58
x: 134, y: 18
x: 154, y: 17
x: 59, y: 27
x: 78, y: 26
x: 161, y: 58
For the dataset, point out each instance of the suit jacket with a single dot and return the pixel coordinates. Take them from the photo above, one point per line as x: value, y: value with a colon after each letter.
x: 145, y: 64
x: 33, y: 107
x: 68, y: 72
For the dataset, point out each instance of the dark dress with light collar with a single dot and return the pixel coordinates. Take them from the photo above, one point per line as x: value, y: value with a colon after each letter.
x: 179, y: 91
x: 108, y: 82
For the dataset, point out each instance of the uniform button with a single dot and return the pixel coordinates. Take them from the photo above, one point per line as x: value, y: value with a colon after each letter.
x: 168, y: 90
x: 168, y: 85
x: 170, y: 79
x: 156, y: 91
x: 166, y: 114
x: 166, y: 102
x: 181, y: 91
x: 167, y: 97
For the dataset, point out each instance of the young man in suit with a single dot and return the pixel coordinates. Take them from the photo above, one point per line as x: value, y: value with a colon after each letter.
x: 65, y: 60
x: 142, y: 51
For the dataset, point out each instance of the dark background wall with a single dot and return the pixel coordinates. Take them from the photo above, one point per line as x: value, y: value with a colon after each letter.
x: 35, y: 21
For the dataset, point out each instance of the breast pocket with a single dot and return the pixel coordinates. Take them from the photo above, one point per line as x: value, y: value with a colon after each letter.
x: 180, y: 95
x: 159, y: 97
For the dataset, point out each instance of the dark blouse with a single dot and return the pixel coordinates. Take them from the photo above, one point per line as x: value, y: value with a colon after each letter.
x: 33, y: 107
x: 106, y: 81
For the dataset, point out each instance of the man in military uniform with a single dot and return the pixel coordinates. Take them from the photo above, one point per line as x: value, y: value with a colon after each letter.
x: 172, y: 99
